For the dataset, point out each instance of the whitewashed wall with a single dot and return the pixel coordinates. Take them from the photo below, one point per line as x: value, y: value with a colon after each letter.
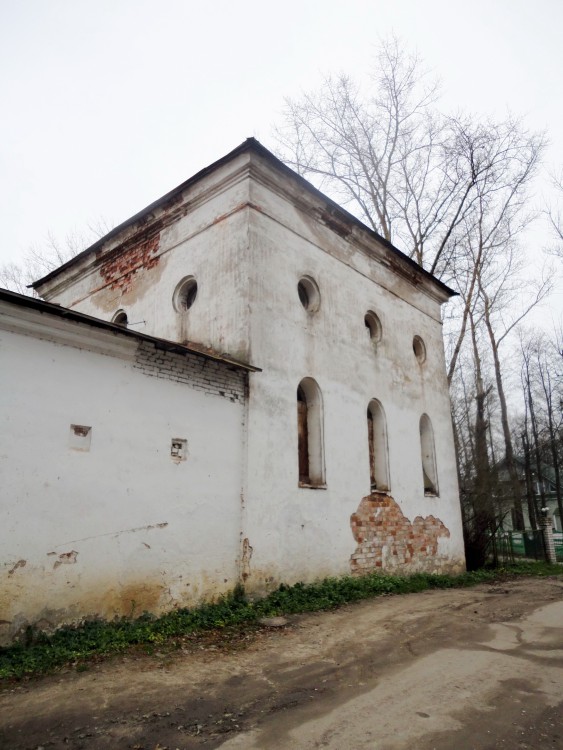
x: 121, y: 527
x: 208, y: 240
x: 300, y: 533
x: 248, y: 232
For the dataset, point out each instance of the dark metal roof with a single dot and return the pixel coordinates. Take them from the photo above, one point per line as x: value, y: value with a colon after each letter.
x: 48, y: 308
x: 250, y: 144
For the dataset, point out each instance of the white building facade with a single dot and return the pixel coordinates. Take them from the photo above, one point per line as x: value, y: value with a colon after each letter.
x: 345, y: 457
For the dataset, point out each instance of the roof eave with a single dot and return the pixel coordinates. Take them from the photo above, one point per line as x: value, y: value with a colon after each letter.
x: 81, y: 318
x: 250, y: 144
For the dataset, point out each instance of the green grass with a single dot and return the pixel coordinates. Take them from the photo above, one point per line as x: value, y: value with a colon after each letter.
x: 40, y: 654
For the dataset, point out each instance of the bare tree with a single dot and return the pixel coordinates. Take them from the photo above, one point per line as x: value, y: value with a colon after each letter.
x: 453, y: 192
x: 37, y: 261
x: 447, y: 190
x: 555, y: 216
x: 388, y: 153
x: 483, y: 526
x: 505, y: 157
x: 484, y: 502
x: 542, y: 380
x: 500, y: 286
x: 410, y: 172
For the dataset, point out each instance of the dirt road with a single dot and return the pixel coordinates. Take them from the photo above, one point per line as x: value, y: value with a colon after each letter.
x: 471, y: 669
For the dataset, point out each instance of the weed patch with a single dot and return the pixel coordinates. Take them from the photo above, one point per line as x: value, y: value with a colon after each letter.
x: 40, y: 654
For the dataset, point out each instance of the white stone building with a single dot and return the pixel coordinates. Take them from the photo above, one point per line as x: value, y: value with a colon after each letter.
x: 335, y: 457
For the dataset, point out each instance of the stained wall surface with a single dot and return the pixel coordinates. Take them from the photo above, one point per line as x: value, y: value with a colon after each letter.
x: 301, y: 532
x: 203, y: 236
x: 248, y: 232
x: 115, y: 469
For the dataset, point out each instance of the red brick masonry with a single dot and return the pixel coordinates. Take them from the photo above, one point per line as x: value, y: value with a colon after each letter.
x: 388, y: 540
x: 119, y: 270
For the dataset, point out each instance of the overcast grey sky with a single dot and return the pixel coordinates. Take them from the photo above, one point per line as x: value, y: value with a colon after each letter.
x: 106, y: 105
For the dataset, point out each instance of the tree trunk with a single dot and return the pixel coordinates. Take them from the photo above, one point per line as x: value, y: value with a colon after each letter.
x: 509, y: 452
x: 546, y: 385
x: 529, y: 483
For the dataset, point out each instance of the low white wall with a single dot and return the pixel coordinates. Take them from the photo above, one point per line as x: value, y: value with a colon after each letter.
x: 121, y: 527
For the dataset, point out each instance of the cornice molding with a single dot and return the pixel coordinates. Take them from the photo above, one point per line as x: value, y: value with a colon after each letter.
x: 335, y: 221
x: 68, y: 333
x: 192, y: 198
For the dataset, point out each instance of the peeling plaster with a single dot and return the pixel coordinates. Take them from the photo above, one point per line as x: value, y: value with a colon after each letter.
x: 66, y: 558
x: 246, y: 556
x: 19, y: 564
x: 387, y: 539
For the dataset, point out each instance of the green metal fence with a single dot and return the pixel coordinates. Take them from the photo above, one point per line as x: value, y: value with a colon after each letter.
x: 528, y: 544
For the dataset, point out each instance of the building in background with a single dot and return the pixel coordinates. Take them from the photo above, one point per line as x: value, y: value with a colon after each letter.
x: 537, y: 492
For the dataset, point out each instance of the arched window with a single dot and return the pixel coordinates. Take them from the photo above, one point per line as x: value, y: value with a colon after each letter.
x: 378, y: 451
x: 428, y: 456
x: 310, y: 434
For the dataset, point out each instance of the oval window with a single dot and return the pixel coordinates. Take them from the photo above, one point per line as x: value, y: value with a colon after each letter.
x: 373, y: 325
x: 309, y: 294
x: 185, y: 294
x: 419, y: 349
x: 120, y: 318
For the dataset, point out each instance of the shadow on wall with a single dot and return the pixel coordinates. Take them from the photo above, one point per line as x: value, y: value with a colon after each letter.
x: 386, y: 538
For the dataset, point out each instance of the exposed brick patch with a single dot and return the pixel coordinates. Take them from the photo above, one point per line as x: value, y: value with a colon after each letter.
x: 214, y: 378
x: 388, y: 540
x: 118, y: 271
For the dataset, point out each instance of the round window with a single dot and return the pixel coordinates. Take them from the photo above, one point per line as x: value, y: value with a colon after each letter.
x: 419, y: 349
x: 120, y: 318
x: 373, y: 325
x: 309, y: 294
x: 185, y: 294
